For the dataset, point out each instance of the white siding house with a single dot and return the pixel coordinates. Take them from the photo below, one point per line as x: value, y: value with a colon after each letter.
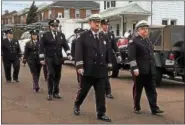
x: 123, y: 15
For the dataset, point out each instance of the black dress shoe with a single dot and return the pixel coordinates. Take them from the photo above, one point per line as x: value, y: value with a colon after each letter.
x: 110, y: 96
x: 103, y: 118
x: 57, y: 96
x: 37, y: 89
x: 8, y: 81
x: 158, y: 111
x: 137, y: 111
x: 49, y: 98
x: 76, y: 110
x: 15, y: 81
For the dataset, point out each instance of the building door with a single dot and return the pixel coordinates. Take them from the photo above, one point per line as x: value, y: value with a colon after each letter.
x: 133, y: 25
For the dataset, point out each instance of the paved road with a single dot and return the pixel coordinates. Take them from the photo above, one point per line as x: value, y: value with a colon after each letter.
x: 21, y: 105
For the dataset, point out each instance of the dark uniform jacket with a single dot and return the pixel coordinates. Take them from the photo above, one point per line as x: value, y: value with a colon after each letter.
x: 73, y: 48
x: 52, y: 48
x: 140, y: 54
x: 31, y: 53
x: 112, y: 39
x: 94, y: 61
x: 10, y: 50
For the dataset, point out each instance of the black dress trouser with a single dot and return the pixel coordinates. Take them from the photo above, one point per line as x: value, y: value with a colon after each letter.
x: 99, y: 87
x: 7, y: 68
x: 107, y: 86
x: 148, y: 83
x: 54, y: 75
x: 35, y: 68
x: 45, y: 72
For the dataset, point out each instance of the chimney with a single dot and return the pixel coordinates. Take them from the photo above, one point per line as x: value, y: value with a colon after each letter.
x: 6, y: 12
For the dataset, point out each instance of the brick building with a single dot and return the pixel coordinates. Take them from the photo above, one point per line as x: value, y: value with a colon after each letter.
x: 68, y: 10
x: 58, y: 9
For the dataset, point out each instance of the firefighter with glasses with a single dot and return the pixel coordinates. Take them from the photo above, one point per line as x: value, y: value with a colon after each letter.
x: 140, y: 54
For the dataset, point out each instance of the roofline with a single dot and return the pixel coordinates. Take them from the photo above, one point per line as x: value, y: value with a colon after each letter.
x: 157, y: 26
x: 75, y: 8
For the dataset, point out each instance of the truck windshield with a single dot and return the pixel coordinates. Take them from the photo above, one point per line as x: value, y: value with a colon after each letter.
x: 177, y: 34
x: 155, y: 36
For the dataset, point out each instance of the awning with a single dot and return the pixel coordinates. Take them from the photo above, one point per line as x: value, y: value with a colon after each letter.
x: 131, y: 9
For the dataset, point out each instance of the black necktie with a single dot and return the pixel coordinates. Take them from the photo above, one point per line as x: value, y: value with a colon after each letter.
x: 55, y: 33
x: 97, y: 41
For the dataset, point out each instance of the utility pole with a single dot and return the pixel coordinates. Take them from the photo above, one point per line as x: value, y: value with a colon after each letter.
x: 151, y: 11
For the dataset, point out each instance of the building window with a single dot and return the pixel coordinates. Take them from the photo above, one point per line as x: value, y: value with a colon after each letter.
x: 50, y: 16
x: 60, y: 15
x: 77, y: 13
x: 105, y: 7
x: 108, y: 4
x: 173, y: 22
x: 117, y: 30
x: 88, y: 13
x: 113, y: 3
x: 66, y: 13
x: 165, y: 22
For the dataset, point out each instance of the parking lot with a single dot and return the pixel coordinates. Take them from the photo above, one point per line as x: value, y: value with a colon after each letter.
x: 20, y: 105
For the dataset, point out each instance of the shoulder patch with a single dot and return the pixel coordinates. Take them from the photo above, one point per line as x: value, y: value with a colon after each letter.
x: 130, y: 41
x: 78, y: 36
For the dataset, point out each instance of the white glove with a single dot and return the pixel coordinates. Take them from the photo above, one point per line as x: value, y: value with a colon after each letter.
x: 70, y: 57
x: 136, y: 72
x: 81, y: 71
x: 42, y: 62
x: 110, y: 73
x: 109, y: 65
x: 119, y: 59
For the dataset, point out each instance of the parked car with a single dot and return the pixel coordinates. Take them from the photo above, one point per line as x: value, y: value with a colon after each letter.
x: 122, y: 43
x: 25, y: 37
x: 169, y: 51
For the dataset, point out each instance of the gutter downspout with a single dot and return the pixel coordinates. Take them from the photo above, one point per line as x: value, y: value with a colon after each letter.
x: 123, y: 32
x: 151, y: 12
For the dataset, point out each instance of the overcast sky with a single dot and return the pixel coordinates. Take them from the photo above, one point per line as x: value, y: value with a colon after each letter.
x: 19, y: 5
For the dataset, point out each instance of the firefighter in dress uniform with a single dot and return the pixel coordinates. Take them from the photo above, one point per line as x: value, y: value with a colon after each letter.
x: 93, y: 57
x: 31, y: 56
x: 111, y: 38
x: 51, y: 46
x: 76, y: 32
x: 140, y: 54
x: 11, y: 55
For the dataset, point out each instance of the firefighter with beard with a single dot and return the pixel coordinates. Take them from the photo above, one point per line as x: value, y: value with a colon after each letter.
x: 93, y: 58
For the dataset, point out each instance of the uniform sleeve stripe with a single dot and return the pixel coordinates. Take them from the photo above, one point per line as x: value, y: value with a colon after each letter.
x: 133, y: 63
x: 79, y: 63
x: 68, y: 52
x: 41, y: 55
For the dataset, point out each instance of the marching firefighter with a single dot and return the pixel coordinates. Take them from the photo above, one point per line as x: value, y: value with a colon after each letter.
x: 51, y: 46
x: 93, y: 58
x: 76, y: 32
x: 11, y: 55
x: 45, y: 71
x: 111, y: 38
x: 140, y: 53
x: 31, y: 56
